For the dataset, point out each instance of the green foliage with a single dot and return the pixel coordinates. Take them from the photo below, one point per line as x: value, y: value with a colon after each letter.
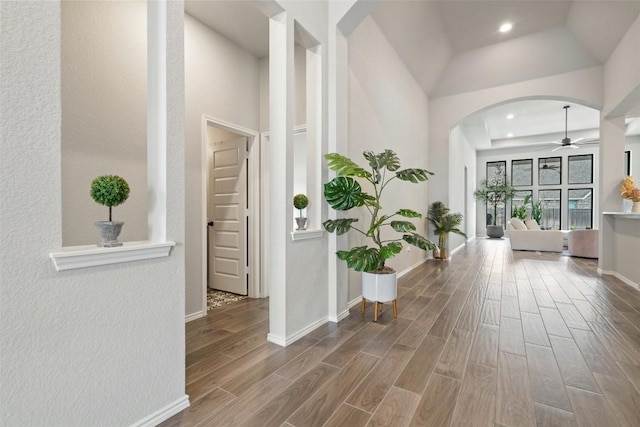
x: 536, y: 211
x: 109, y: 190
x: 444, y: 222
x: 344, y: 192
x: 495, y: 190
x: 521, y: 211
x: 300, y: 201
x: 340, y: 226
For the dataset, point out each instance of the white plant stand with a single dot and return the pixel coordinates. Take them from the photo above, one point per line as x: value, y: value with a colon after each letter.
x: 379, y: 288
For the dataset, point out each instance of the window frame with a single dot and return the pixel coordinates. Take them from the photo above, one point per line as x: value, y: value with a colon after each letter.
x: 569, y: 209
x: 559, y: 190
x: 530, y: 175
x: 546, y: 159
x: 569, y: 169
x: 504, y: 168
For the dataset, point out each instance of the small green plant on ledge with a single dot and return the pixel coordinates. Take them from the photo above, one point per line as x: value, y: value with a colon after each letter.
x: 109, y: 190
x: 300, y: 201
x: 344, y: 193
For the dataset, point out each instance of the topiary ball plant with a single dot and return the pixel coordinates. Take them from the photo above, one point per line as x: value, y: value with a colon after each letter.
x: 300, y: 201
x: 109, y: 190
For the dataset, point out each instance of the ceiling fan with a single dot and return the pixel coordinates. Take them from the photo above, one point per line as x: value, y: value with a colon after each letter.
x: 566, y: 141
x: 552, y: 167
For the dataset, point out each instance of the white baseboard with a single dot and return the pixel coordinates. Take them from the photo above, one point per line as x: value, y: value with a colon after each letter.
x: 340, y: 316
x: 408, y: 269
x: 460, y: 246
x: 354, y: 302
x: 285, y: 341
x: 619, y: 276
x: 163, y: 413
x: 193, y: 316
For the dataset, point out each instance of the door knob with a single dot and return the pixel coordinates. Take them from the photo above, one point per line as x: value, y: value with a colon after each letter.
x: 210, y: 224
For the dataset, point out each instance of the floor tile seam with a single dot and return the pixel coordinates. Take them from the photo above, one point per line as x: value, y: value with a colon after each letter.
x: 564, y: 383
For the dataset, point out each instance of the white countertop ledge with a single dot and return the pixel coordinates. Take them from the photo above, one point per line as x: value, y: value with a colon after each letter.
x: 625, y: 215
x: 72, y: 257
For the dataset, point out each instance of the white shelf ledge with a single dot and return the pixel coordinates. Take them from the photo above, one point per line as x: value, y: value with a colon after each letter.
x: 624, y: 215
x: 307, y: 234
x: 73, y: 257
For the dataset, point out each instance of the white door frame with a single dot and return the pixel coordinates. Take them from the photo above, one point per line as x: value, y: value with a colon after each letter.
x: 253, y: 184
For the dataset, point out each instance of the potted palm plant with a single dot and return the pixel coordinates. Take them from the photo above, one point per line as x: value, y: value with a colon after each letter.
x: 109, y: 190
x: 443, y: 223
x: 493, y: 191
x: 344, y: 193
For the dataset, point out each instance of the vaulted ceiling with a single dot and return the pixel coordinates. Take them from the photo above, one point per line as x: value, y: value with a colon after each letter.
x: 439, y: 40
x: 445, y: 45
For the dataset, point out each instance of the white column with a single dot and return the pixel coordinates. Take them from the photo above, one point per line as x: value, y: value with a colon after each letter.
x: 612, y: 138
x: 338, y: 110
x: 157, y: 121
x: 281, y: 122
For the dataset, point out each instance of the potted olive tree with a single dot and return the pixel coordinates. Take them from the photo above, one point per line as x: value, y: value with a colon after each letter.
x: 494, y: 190
x: 109, y: 190
x: 443, y: 223
x: 301, y: 201
x: 344, y: 193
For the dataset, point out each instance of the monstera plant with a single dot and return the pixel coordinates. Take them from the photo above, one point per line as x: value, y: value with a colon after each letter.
x: 344, y: 193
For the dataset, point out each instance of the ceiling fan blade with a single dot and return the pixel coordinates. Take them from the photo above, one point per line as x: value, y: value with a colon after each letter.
x: 572, y: 146
x: 589, y: 141
x: 558, y: 148
x: 577, y: 140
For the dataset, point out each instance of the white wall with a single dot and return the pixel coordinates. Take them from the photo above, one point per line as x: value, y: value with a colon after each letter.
x: 583, y: 86
x: 222, y: 82
x: 387, y: 109
x: 547, y: 53
x: 622, y: 74
x: 465, y: 157
x: 509, y: 154
x: 95, y: 346
x: 104, y: 114
x: 300, y: 96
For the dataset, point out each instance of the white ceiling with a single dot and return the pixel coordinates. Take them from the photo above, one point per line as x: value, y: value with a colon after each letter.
x: 473, y: 24
x: 242, y: 22
x: 462, y: 27
x: 440, y: 40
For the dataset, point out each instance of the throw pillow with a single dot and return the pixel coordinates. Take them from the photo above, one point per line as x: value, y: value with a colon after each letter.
x: 517, y: 224
x: 532, y: 224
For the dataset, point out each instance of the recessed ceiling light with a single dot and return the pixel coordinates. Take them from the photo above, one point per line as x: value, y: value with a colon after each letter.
x: 510, y: 116
x: 509, y: 135
x: 506, y: 27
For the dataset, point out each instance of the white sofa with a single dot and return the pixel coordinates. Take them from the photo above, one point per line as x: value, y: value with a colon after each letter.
x: 529, y: 237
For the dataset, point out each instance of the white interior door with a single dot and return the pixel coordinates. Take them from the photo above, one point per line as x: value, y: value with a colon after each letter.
x: 227, y: 218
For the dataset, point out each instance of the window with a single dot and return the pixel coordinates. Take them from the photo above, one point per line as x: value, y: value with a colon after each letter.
x: 550, y: 171
x: 627, y: 163
x: 551, y: 201
x: 522, y: 172
x: 518, y: 201
x: 580, y: 208
x: 500, y: 212
x: 581, y: 169
x: 496, y: 172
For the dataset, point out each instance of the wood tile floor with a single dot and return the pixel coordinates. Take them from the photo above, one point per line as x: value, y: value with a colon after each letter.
x: 492, y: 338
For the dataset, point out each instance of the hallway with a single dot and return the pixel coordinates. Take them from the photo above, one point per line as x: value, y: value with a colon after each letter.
x: 493, y: 337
